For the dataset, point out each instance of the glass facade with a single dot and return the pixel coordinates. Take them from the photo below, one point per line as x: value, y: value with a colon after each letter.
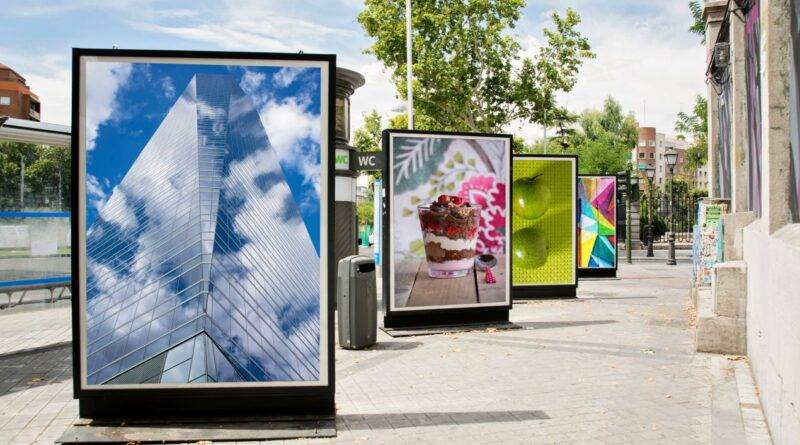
x: 199, y: 266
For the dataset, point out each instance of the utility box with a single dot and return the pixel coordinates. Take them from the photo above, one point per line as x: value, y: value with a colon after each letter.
x: 356, y: 302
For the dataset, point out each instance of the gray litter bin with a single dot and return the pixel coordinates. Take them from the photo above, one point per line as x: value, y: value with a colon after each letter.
x: 356, y: 302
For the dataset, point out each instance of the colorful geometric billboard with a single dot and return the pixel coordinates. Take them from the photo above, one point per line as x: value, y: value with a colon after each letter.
x: 597, y: 197
x: 543, y: 222
x: 447, y: 197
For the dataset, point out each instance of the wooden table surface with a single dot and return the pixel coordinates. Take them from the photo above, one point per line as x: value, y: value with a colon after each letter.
x: 422, y: 290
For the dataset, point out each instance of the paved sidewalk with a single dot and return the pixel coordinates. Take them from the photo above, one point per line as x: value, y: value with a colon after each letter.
x: 616, y: 365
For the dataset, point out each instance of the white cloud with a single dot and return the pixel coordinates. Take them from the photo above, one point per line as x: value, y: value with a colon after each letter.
x: 168, y: 87
x: 288, y: 125
x: 96, y: 194
x: 105, y: 78
x: 286, y: 75
x: 378, y: 93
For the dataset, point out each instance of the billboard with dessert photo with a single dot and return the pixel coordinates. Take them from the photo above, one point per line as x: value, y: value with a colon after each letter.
x: 446, y: 237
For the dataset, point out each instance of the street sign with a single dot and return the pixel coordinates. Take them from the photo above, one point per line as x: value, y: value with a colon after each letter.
x: 372, y: 160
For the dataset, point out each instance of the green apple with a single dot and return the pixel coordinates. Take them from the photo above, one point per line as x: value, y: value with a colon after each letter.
x: 529, y: 248
x: 531, y: 197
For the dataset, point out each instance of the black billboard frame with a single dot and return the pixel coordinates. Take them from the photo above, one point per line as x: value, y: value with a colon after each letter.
x: 532, y: 292
x: 426, y: 318
x: 601, y: 272
x: 231, y: 403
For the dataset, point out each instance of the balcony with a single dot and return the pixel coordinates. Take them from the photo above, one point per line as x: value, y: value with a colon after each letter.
x: 34, y: 114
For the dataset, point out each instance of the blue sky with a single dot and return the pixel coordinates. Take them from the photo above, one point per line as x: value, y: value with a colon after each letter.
x: 646, y: 58
x: 127, y: 102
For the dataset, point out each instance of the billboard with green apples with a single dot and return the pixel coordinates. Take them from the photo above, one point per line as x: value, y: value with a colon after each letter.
x: 543, y: 218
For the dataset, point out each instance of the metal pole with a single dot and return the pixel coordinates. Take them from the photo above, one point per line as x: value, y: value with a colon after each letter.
x: 544, y: 125
x: 649, y: 218
x: 671, y: 237
x: 59, y: 188
x: 409, y: 62
x: 21, y: 183
x: 628, y: 192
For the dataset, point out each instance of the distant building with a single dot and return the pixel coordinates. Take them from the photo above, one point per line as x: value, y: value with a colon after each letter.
x: 650, y: 150
x: 16, y: 99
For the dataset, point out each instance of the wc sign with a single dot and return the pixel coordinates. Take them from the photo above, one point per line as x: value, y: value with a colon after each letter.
x: 366, y: 160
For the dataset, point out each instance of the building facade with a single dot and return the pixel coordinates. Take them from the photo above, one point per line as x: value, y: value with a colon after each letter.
x: 188, y: 276
x: 753, y: 48
x: 650, y: 150
x: 16, y: 98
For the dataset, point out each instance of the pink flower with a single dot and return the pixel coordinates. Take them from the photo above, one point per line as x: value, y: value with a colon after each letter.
x: 487, y: 192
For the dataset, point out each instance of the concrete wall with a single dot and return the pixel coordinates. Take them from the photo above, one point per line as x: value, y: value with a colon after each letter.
x: 773, y: 324
x: 24, y: 233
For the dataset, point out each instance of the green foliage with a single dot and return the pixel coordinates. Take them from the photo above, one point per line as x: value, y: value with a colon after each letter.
x: 698, y: 25
x: 368, y: 136
x: 468, y: 71
x: 44, y: 166
x: 603, y: 140
x: 695, y: 126
x: 365, y: 212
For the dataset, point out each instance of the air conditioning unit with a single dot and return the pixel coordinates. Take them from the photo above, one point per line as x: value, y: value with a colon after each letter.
x: 722, y: 54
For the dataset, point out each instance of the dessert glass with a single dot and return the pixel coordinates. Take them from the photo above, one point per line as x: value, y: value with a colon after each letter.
x: 450, y: 234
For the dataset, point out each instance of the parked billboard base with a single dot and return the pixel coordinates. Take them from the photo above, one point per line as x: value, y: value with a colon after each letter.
x: 280, y: 428
x: 597, y: 273
x: 534, y: 292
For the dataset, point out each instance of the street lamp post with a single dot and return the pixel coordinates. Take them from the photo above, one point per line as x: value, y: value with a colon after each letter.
x: 672, y: 159
x: 633, y: 181
x: 650, y: 173
x: 623, y: 182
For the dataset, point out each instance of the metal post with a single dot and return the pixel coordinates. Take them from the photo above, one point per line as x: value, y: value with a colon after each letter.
x: 649, y: 218
x: 671, y: 236
x: 21, y: 183
x: 544, y: 126
x: 628, y: 193
x: 409, y: 62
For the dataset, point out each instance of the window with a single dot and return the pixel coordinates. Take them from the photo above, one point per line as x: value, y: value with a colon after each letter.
x: 652, y: 155
x: 652, y: 143
x: 642, y: 143
x: 5, y: 100
x: 660, y: 168
x: 641, y: 155
x: 660, y: 156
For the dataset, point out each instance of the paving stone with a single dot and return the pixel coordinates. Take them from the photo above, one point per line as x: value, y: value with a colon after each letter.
x: 616, y: 365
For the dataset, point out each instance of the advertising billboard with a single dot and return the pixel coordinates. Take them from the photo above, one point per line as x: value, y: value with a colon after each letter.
x: 446, y: 233
x: 597, y: 224
x: 193, y: 173
x: 543, y: 237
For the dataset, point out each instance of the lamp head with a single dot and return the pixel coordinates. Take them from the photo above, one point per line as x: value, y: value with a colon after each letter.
x: 672, y: 157
x: 650, y: 172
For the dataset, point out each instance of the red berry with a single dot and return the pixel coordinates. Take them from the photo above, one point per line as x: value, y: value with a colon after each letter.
x: 443, y: 199
x: 452, y: 231
x: 490, y: 278
x: 457, y: 200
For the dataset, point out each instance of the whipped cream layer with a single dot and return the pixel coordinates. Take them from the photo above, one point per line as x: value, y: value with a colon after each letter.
x: 450, y: 244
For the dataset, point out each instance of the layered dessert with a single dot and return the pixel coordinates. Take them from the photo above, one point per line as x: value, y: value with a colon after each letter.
x: 450, y: 232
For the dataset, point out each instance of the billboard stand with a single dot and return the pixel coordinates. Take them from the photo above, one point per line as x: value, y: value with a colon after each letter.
x: 187, y: 304
x: 544, y: 234
x: 598, y: 256
x: 445, y: 228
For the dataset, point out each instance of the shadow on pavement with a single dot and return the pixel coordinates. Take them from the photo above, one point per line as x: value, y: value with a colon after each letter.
x: 410, y: 420
x: 560, y: 324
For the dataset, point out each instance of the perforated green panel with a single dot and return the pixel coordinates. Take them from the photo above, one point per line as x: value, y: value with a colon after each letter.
x: 556, y: 225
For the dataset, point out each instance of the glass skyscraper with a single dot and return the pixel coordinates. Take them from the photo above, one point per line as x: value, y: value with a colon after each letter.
x: 200, y: 267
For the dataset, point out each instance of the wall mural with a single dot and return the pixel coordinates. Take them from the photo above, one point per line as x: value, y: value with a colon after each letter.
x: 195, y: 185
x: 448, y: 213
x: 597, y: 222
x: 752, y: 37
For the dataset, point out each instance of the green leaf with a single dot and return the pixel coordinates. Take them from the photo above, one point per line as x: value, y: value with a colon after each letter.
x: 415, y: 200
x: 417, y: 247
x: 407, y: 212
x: 450, y: 164
x: 458, y: 158
x: 451, y: 186
x: 460, y: 175
x: 471, y: 162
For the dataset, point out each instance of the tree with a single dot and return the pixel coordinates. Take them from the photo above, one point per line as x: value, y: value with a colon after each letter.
x: 368, y: 136
x: 365, y: 211
x: 604, y: 139
x: 468, y: 72
x: 698, y: 25
x: 47, y: 172
x: 695, y: 125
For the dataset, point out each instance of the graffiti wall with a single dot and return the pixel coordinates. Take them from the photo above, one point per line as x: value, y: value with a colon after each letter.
x: 708, y: 240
